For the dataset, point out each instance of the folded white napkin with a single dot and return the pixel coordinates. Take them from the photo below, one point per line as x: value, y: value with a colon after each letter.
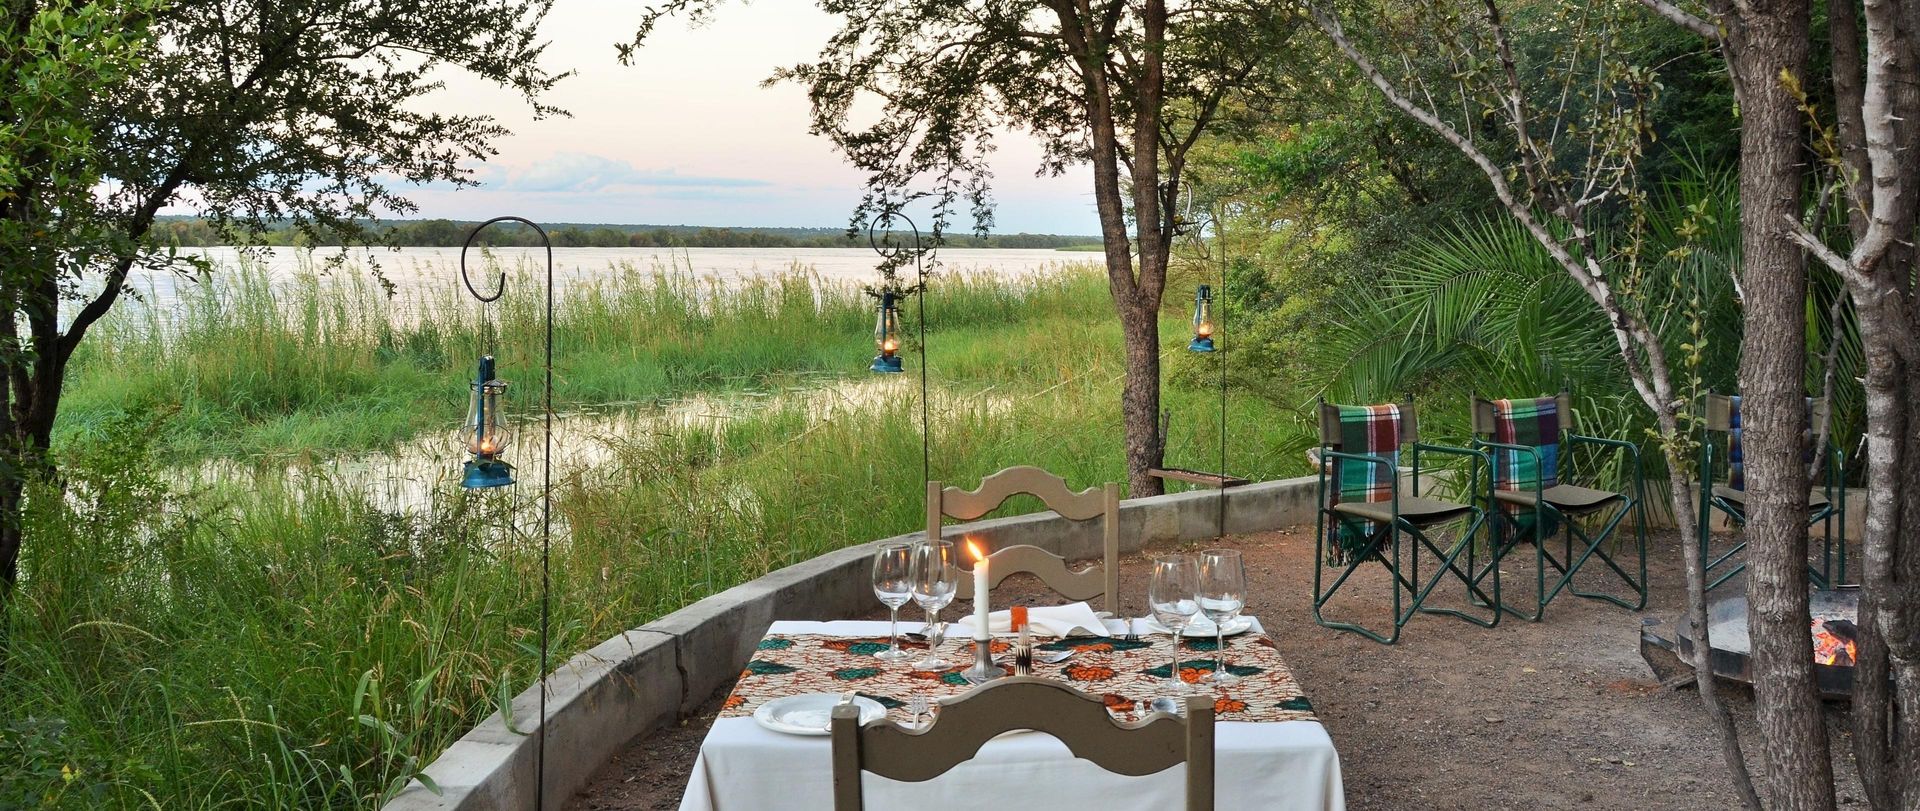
x: 1051, y: 620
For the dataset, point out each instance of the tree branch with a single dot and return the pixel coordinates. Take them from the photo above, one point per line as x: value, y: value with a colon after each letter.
x: 1679, y: 16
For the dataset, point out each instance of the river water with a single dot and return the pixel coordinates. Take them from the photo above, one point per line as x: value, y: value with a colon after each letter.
x: 417, y: 271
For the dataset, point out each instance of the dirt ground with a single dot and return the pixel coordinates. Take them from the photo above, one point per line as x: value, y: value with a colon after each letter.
x: 1558, y: 714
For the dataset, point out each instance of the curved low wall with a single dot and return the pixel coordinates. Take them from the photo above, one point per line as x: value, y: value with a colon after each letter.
x: 653, y: 675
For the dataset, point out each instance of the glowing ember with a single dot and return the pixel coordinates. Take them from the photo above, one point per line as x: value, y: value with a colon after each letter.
x: 1833, y: 642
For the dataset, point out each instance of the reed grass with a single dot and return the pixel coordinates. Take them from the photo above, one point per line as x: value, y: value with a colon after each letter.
x: 323, y: 364
x: 280, y: 641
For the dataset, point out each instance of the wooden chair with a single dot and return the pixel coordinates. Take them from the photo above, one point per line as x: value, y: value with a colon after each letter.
x: 967, y: 505
x: 1077, y: 719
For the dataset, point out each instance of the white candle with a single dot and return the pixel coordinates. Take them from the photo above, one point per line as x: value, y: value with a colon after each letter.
x: 980, y: 612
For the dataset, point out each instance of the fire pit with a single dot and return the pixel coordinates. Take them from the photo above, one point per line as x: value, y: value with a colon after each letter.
x: 1834, y: 612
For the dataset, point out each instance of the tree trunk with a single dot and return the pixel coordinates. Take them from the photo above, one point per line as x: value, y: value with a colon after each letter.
x: 1798, y: 771
x: 1140, y: 397
x: 1849, y: 94
x: 1136, y: 292
x: 1900, y: 621
x: 1139, y: 323
x: 1873, y: 715
x: 1680, y: 488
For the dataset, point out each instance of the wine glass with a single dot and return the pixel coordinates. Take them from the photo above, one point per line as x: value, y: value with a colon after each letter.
x: 1223, y: 592
x: 892, y: 583
x: 1170, y: 593
x: 935, y: 579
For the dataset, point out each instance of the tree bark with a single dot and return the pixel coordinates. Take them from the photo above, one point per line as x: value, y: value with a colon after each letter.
x: 1684, y: 501
x: 1873, y: 713
x: 1900, y: 622
x: 1773, y: 43
x: 1136, y: 296
x: 1849, y: 94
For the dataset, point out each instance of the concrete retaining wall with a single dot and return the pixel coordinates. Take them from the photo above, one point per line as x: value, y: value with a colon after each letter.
x: 650, y: 676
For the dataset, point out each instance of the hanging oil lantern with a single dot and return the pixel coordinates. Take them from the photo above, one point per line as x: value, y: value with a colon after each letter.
x: 886, y: 336
x: 485, y: 435
x: 1202, y: 320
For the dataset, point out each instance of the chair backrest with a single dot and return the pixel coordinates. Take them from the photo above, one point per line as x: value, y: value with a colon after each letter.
x: 1372, y: 430
x: 1083, y: 505
x: 1340, y: 427
x: 1537, y: 422
x: 1723, y: 416
x: 1077, y: 719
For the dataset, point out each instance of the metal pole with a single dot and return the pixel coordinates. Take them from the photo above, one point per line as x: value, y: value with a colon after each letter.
x: 892, y: 253
x: 1220, y: 335
x: 546, y: 478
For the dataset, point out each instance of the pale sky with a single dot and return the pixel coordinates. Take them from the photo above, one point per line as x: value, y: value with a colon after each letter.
x: 686, y: 134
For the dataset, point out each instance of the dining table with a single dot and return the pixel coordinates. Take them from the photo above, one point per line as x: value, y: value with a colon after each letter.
x: 1270, y: 750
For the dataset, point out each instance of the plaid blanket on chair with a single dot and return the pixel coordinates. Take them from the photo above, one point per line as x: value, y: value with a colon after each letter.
x: 1736, y: 459
x: 1534, y: 422
x: 1371, y: 430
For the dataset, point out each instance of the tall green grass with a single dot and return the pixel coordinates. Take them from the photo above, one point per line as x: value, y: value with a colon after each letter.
x: 327, y: 364
x: 280, y: 641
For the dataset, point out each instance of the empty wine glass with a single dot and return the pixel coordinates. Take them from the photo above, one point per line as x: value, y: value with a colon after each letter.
x: 935, y: 579
x: 1223, y: 592
x: 1170, y: 593
x: 892, y: 583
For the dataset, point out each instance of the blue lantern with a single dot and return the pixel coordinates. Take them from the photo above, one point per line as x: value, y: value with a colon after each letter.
x: 485, y: 434
x: 886, y: 336
x: 1202, y: 320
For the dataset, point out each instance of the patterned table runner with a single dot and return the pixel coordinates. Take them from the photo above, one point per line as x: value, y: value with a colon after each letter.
x: 1126, y: 674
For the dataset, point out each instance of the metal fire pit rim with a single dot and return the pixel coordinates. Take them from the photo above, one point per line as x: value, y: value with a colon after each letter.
x: 1833, y: 681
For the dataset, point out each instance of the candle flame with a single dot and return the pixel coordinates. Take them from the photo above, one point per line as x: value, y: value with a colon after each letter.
x: 974, y: 550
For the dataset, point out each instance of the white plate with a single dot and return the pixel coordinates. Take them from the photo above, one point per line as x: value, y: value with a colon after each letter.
x: 811, y: 713
x: 1201, y: 626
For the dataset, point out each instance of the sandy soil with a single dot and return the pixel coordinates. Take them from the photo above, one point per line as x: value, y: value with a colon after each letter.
x: 1559, y: 714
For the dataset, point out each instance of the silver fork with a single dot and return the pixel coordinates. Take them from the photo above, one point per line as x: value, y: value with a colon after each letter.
x: 1131, y: 636
x: 917, y: 706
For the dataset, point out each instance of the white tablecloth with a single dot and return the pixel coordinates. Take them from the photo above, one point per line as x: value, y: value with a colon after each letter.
x: 1284, y: 766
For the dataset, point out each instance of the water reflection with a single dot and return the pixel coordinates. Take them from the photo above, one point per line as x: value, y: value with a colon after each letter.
x: 586, y: 443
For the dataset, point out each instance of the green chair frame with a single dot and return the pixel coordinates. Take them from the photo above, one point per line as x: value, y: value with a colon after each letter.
x: 1382, y: 543
x: 1830, y: 516
x: 1508, y: 535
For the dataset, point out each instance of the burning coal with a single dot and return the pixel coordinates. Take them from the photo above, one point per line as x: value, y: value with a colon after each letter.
x: 1833, y: 642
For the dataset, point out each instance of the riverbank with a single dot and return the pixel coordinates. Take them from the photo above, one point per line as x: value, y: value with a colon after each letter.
x: 278, y: 635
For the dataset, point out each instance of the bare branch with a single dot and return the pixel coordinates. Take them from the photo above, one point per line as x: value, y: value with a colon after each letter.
x: 1633, y: 336
x: 1679, y: 16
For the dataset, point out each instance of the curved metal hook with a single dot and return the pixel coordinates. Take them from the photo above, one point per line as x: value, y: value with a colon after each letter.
x: 892, y: 252
x: 501, y: 285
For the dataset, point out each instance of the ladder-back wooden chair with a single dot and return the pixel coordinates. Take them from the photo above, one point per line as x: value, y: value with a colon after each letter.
x: 1531, y: 439
x: 1826, y: 505
x: 1362, y: 516
x: 1084, y: 505
x: 1077, y: 719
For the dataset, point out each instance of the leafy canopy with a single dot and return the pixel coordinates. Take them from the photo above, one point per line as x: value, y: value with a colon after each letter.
x: 915, y: 92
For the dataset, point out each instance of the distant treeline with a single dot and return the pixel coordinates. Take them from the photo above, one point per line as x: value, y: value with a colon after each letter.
x: 195, y: 233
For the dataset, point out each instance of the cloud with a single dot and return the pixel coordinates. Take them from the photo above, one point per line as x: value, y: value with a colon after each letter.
x: 580, y: 172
